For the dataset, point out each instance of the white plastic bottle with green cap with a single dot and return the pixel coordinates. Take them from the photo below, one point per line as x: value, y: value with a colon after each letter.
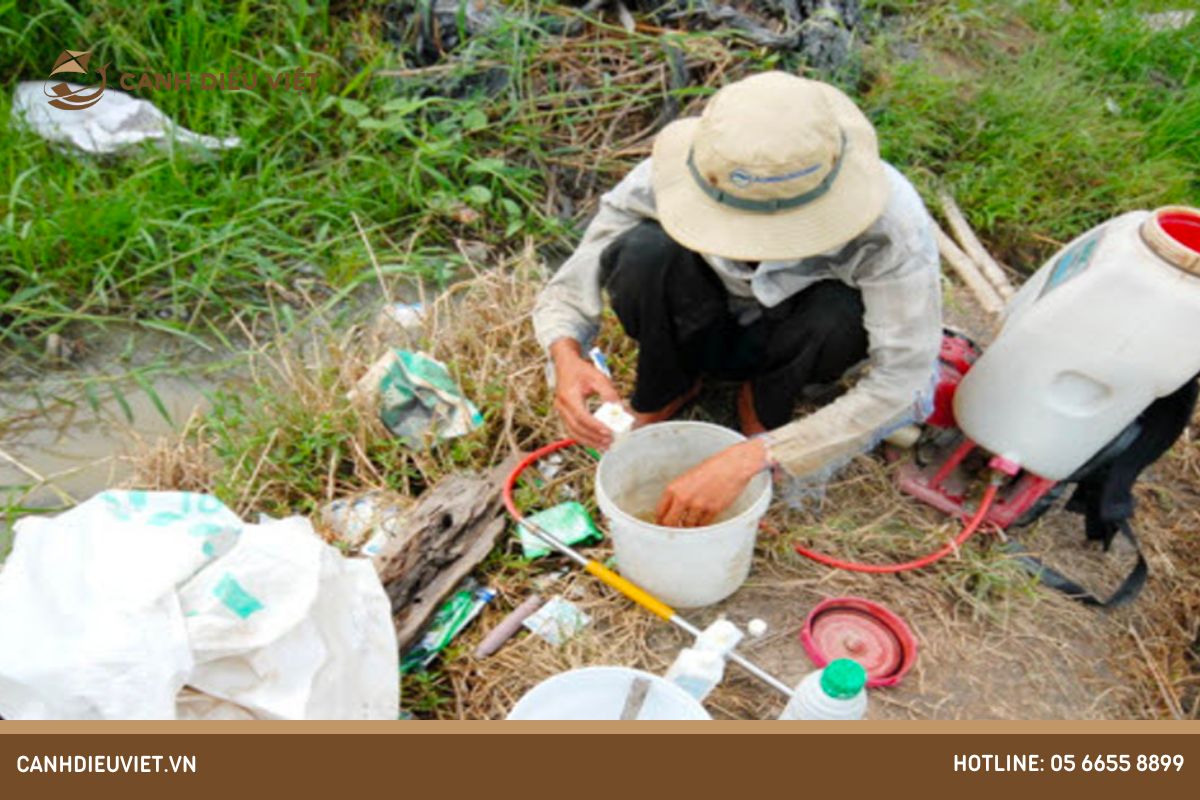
x: 837, y: 692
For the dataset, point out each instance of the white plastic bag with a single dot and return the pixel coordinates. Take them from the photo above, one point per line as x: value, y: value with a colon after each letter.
x: 111, y: 609
x: 118, y: 123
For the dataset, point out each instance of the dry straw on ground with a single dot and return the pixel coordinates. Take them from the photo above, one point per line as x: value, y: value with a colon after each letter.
x: 992, y: 643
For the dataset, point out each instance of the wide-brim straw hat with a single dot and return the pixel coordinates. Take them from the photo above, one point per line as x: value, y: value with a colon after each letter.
x: 777, y: 167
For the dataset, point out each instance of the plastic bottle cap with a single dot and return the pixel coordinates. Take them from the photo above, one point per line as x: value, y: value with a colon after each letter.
x: 843, y: 678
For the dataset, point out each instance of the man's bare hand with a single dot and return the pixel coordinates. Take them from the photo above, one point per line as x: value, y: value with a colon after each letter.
x: 700, y: 495
x: 577, y: 380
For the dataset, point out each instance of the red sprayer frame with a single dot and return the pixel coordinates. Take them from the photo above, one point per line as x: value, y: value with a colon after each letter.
x: 942, y: 484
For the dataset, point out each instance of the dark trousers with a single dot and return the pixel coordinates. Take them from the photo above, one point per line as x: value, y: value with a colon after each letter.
x: 673, y: 303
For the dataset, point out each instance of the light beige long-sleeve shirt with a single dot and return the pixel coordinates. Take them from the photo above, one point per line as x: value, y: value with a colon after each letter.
x: 894, y: 263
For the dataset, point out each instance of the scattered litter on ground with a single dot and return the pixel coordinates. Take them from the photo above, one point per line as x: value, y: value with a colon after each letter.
x: 822, y: 31
x: 558, y: 621
x: 1169, y: 20
x: 546, y: 580
x: 418, y: 398
x: 868, y: 633
x: 549, y: 468
x: 992, y: 645
x: 700, y: 668
x: 189, y: 612
x: 400, y: 320
x: 455, y: 614
x: 507, y: 627
x: 117, y: 124
x: 433, y: 28
x: 569, y: 522
x: 366, y: 522
x: 837, y: 691
x: 818, y: 29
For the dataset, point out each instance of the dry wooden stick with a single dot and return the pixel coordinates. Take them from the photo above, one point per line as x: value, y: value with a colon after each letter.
x: 974, y: 248
x: 968, y: 271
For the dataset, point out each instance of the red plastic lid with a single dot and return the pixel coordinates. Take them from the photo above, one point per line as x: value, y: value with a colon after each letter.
x: 851, y: 627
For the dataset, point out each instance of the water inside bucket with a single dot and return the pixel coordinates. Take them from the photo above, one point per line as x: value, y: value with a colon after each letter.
x: 642, y: 500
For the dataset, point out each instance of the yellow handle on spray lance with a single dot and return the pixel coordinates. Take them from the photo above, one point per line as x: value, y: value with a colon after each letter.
x: 660, y: 609
x: 631, y: 590
x: 615, y: 581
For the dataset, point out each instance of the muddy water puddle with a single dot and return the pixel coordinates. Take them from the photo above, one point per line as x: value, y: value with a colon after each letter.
x: 66, y: 431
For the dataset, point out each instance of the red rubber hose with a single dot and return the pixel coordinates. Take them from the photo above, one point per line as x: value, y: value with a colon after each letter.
x: 967, y: 532
x: 511, y: 482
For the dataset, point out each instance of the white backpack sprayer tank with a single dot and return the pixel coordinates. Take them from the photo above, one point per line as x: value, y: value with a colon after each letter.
x: 1105, y: 327
x: 1098, y: 334
x: 1091, y: 379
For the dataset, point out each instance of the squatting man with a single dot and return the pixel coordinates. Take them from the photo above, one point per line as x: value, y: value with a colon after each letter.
x: 766, y: 243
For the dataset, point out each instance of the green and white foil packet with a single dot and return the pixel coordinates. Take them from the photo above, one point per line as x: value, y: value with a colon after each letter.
x: 449, y: 621
x: 419, y: 397
x: 568, y: 522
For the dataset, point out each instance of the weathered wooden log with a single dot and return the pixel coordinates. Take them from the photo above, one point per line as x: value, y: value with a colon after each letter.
x: 445, y: 536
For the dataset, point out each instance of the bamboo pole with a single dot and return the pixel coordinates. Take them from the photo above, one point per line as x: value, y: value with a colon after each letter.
x: 969, y: 273
x: 974, y: 249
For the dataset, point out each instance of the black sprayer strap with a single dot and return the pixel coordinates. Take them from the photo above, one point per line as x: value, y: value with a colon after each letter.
x: 1104, y: 492
x: 1048, y: 576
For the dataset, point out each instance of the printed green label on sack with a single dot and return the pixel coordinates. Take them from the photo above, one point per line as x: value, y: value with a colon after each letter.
x: 234, y: 597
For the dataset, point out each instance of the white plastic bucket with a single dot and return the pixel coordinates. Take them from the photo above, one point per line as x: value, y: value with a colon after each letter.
x: 685, y: 567
x: 600, y: 693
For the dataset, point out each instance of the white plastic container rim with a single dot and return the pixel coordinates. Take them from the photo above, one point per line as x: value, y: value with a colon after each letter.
x: 578, y: 695
x: 757, y: 508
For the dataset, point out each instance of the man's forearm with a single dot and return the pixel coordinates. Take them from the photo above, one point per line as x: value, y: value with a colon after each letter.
x: 832, y: 434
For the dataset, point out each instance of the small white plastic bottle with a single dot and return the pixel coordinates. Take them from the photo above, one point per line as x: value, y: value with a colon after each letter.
x: 837, y: 692
x: 698, y: 669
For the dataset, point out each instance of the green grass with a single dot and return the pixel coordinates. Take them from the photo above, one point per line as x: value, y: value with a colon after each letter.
x: 1042, y: 123
x: 196, y: 239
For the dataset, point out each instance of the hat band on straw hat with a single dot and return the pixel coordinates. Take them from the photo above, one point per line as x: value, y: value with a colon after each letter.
x: 776, y: 204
